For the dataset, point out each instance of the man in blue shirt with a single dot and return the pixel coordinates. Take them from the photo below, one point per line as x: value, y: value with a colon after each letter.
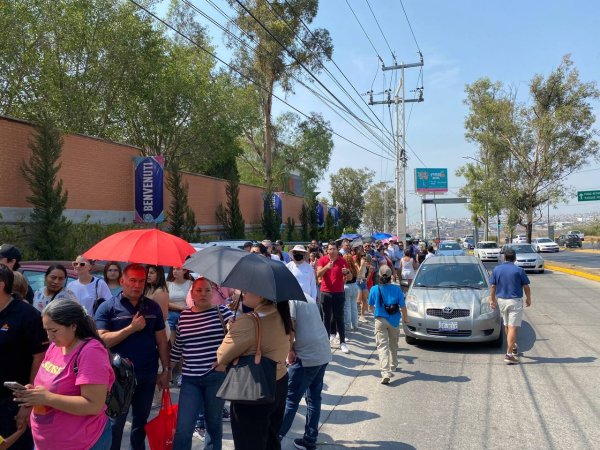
x: 387, y: 331
x: 508, y: 282
x: 133, y: 326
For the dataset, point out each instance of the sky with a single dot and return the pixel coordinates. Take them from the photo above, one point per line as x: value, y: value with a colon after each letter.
x: 461, y: 41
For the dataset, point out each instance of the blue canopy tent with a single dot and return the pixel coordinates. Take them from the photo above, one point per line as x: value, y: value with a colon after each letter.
x: 382, y: 236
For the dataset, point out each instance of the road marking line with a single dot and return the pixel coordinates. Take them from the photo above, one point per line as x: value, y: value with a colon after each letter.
x: 577, y: 273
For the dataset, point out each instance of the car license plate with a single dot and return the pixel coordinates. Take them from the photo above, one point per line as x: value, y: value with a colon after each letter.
x: 448, y: 326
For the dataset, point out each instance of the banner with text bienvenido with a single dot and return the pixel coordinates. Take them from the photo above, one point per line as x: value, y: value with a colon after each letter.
x: 148, y: 189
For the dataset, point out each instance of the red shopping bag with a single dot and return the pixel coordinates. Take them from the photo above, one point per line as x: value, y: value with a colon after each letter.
x: 161, y: 429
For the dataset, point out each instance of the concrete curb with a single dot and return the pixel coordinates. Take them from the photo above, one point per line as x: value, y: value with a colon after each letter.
x: 577, y: 273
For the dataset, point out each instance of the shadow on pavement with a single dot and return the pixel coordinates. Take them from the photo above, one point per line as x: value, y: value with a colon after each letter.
x: 328, y: 443
x: 348, y: 417
x: 526, y: 337
x: 329, y: 399
x: 566, y: 360
x: 417, y: 375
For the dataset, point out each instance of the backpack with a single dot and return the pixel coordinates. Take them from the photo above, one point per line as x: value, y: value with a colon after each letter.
x: 118, y: 399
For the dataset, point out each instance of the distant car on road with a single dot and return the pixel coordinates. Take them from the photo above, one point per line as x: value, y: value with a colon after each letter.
x: 520, y: 239
x: 569, y: 240
x: 449, y: 300
x: 527, y: 257
x: 468, y: 243
x: 544, y: 244
x: 449, y: 248
x: 487, y: 251
x: 578, y: 233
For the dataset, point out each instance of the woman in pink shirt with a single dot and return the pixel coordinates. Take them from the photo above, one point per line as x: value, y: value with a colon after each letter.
x: 69, y: 392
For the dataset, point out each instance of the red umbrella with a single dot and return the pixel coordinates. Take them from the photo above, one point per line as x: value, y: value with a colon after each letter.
x: 149, y: 246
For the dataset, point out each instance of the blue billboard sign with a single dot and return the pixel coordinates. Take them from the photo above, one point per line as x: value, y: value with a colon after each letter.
x: 431, y: 180
x: 320, y: 210
x: 148, y: 189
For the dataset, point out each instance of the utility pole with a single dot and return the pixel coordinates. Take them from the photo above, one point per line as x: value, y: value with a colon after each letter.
x: 400, y: 145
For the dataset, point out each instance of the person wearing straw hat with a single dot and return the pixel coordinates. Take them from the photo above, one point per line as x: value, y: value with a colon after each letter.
x: 303, y: 271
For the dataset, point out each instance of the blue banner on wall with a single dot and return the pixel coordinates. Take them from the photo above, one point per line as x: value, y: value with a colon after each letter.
x: 320, y: 210
x: 276, y: 205
x: 148, y: 189
x: 335, y: 213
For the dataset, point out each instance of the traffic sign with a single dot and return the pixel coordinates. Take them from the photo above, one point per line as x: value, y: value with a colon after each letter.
x: 588, y: 196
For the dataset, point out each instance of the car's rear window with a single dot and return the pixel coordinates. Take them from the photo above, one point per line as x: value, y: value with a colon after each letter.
x: 487, y: 245
x: 450, y: 246
x: 450, y: 275
x: 523, y: 248
x: 544, y: 240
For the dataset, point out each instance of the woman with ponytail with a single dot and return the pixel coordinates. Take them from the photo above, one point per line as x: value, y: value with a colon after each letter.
x: 69, y: 391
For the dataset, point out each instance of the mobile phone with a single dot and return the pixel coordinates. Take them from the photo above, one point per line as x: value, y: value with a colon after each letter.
x: 13, y: 385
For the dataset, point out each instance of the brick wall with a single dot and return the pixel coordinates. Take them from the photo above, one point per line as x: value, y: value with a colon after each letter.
x: 98, y: 176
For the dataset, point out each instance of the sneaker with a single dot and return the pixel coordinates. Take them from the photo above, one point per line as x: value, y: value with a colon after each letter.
x: 199, y: 433
x: 511, y: 359
x: 515, y: 350
x: 301, y: 444
x: 344, y: 348
x: 332, y: 340
x: 385, y: 380
x: 226, y: 415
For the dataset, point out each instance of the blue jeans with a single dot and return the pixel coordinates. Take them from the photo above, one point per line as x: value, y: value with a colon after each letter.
x: 173, y: 319
x: 105, y: 440
x: 140, y: 410
x: 304, y: 381
x: 350, y: 306
x: 200, y: 394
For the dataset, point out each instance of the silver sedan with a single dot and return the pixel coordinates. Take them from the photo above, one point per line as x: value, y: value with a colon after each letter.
x: 449, y: 300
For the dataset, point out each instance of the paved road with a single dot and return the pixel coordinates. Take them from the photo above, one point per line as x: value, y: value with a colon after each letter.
x: 449, y: 396
x: 582, y: 259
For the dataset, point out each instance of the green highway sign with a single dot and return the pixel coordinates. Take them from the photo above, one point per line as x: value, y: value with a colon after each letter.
x: 588, y: 196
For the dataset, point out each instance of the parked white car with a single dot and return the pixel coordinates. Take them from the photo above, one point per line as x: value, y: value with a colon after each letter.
x: 544, y: 244
x: 487, y: 251
x: 520, y: 239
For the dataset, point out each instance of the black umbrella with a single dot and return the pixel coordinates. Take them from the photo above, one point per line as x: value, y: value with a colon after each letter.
x: 238, y: 269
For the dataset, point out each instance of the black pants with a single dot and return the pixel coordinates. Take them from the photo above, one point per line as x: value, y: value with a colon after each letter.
x: 333, y: 310
x: 256, y: 427
x: 8, y: 425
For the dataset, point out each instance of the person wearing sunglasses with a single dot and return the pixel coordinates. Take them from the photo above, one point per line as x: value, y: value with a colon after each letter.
x: 89, y: 290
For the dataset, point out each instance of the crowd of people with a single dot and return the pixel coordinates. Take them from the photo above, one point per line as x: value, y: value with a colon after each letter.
x: 186, y: 331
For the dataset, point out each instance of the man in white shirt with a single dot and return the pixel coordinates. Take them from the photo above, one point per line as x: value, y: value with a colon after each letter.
x: 303, y: 271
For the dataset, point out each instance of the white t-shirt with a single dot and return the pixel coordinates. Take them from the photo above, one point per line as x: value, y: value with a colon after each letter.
x: 40, y: 299
x: 87, y: 294
x: 178, y: 292
x: 305, y: 275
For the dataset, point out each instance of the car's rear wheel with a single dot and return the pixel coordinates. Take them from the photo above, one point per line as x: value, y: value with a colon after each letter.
x: 410, y: 340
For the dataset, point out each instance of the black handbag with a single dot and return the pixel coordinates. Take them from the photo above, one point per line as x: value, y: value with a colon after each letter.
x: 390, y: 309
x: 250, y: 379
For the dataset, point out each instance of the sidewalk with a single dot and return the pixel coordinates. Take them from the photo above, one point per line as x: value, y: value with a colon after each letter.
x: 341, y: 374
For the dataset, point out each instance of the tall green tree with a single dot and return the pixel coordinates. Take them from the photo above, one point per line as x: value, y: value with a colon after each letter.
x: 348, y: 186
x: 181, y: 218
x: 230, y: 215
x: 283, y: 46
x: 380, y: 208
x: 47, y: 196
x: 530, y: 148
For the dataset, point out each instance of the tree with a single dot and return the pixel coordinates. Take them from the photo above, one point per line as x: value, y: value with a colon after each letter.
x: 182, y: 220
x: 230, y: 216
x: 283, y: 47
x: 47, y: 196
x: 270, y: 219
x: 530, y: 148
x: 347, y: 189
x: 380, y: 207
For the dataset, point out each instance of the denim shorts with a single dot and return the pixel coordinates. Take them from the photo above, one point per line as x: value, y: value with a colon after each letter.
x: 362, y: 285
x: 173, y: 319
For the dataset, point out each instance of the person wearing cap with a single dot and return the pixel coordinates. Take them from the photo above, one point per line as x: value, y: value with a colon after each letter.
x: 303, y: 271
x: 11, y: 256
x: 508, y: 282
x: 387, y: 326
x: 23, y: 343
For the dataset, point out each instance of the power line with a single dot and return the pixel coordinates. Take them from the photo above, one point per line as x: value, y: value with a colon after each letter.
x: 285, y: 48
x: 244, y: 76
x: 327, y: 71
x: 410, y: 26
x: 363, y: 29
x: 379, y: 26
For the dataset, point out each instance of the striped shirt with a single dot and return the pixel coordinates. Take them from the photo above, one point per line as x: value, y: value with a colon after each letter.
x: 198, y: 336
